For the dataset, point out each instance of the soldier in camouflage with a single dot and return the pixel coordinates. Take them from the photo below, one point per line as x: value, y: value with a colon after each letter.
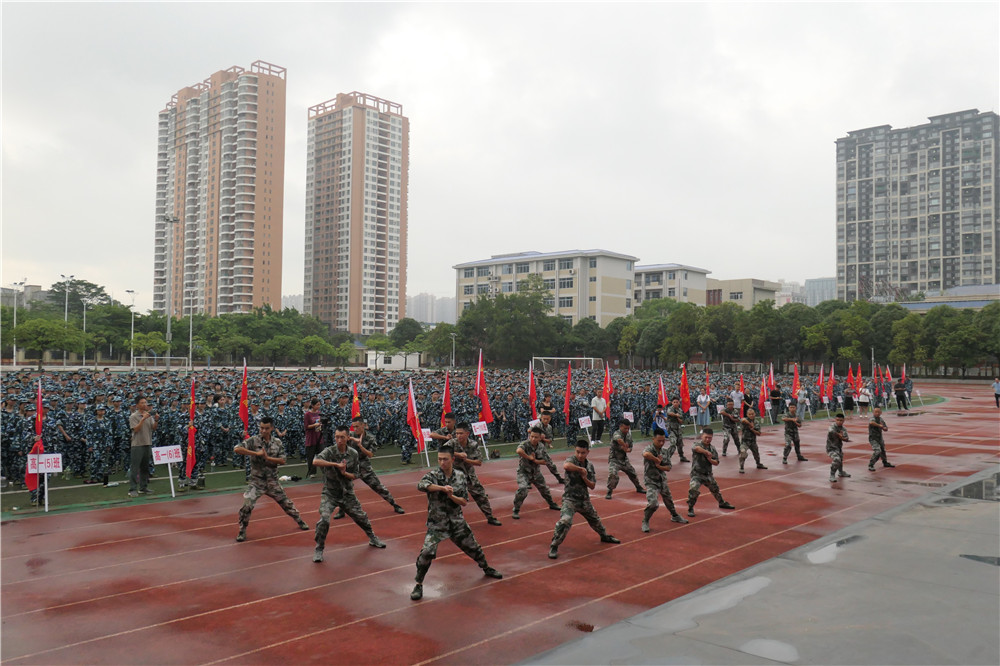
x: 618, y: 462
x: 365, y: 444
x: 548, y: 435
x: 340, y: 467
x: 528, y: 473
x: 266, y: 453
x: 835, y: 438
x: 876, y: 427
x: 749, y: 430
x: 654, y: 474
x: 730, y: 426
x: 467, y: 459
x: 446, y: 495
x: 580, y: 480
x: 792, y: 424
x: 675, y: 423
x: 704, y: 458
x: 100, y: 442
x: 444, y: 434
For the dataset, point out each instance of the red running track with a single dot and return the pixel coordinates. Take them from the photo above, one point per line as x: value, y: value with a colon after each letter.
x: 165, y: 583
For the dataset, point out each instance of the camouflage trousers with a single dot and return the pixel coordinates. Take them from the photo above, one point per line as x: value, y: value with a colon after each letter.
x: 571, y: 506
x: 350, y: 505
x: 460, y: 535
x: 790, y: 443
x: 478, y: 493
x: 699, y: 480
x: 746, y: 448
x: 654, y: 493
x: 270, y: 487
x: 524, y: 482
x: 676, y: 443
x: 368, y: 475
x: 878, y: 452
x: 836, y: 461
x: 615, y: 468
x: 726, y: 434
x: 548, y: 462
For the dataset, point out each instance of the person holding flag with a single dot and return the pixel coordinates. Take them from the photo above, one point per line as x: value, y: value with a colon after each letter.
x: 266, y: 453
x: 31, y: 480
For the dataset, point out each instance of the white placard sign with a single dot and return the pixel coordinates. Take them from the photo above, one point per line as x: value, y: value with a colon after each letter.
x: 788, y: 402
x: 840, y: 399
x: 45, y: 463
x: 693, y: 411
x: 584, y: 421
x: 532, y: 424
x: 480, y: 428
x: 629, y: 416
x: 826, y: 399
x: 167, y: 454
x: 427, y: 433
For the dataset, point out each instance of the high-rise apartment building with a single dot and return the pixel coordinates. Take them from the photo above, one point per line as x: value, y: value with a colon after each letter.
x: 357, y: 166
x: 917, y: 207
x: 220, y: 177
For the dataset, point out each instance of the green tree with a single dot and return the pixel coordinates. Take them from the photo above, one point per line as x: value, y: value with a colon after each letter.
x: 381, y: 345
x: 44, y: 335
x: 235, y: 346
x: 757, y: 331
x: 937, y: 323
x: 406, y: 330
x: 438, y: 341
x: 816, y: 342
x: 987, y: 320
x: 343, y: 352
x: 315, y: 347
x: 682, y: 340
x: 280, y: 347
x: 961, y: 347
x: 149, y: 343
x: 717, y: 331
x: 656, y: 308
x: 628, y: 341
x: 906, y: 347
x: 651, y: 339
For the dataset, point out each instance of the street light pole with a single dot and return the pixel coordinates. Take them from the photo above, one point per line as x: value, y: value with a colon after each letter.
x: 131, y: 345
x: 18, y: 288
x: 66, y: 280
x: 191, y: 338
x: 170, y: 220
x: 452, y: 350
x: 84, y: 301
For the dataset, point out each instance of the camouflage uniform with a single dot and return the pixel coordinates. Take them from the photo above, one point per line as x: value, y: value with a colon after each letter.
x: 730, y: 428
x: 656, y: 485
x: 76, y: 448
x: 675, y: 428
x: 295, y: 437
x: 548, y: 433
x: 475, y: 487
x: 338, y: 492
x: 618, y: 462
x: 365, y: 471
x: 792, y: 438
x: 835, y: 449
x: 748, y: 441
x: 877, y: 442
x: 445, y: 521
x: 100, y: 442
x: 702, y: 475
x: 529, y: 475
x: 576, y: 499
x: 264, y: 480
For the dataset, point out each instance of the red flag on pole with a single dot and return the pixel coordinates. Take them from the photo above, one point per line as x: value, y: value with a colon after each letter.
x: 607, y: 390
x: 446, y: 400
x: 485, y: 413
x: 413, y: 420
x: 190, y: 460
x: 569, y: 390
x: 532, y: 392
x: 31, y: 480
x: 795, y: 383
x: 685, y: 389
x: 830, y: 383
x: 903, y: 378
x: 770, y: 378
x: 820, y: 384
x: 708, y: 387
x: 661, y: 394
x: 245, y: 404
x: 858, y: 381
x: 743, y: 403
x: 355, y: 403
x: 876, y: 375
x: 850, y: 375
x: 762, y: 398
x: 888, y: 375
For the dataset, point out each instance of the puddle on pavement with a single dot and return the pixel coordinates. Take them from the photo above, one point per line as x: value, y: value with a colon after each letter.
x: 828, y: 553
x: 582, y: 626
x: 771, y: 649
x: 986, y: 559
x: 929, y: 484
x: 984, y: 489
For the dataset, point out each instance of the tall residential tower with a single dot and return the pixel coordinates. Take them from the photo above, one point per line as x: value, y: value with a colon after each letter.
x: 220, y: 176
x: 357, y: 164
x: 917, y: 207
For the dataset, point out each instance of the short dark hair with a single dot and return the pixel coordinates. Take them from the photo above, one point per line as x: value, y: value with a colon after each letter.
x: 583, y: 444
x: 139, y: 398
x: 536, y: 429
x: 464, y: 425
x: 268, y: 420
x: 314, y: 402
x: 839, y: 415
x: 622, y: 422
x: 343, y: 428
x: 358, y: 419
x: 707, y: 431
x: 450, y: 415
x: 659, y: 431
x: 447, y: 448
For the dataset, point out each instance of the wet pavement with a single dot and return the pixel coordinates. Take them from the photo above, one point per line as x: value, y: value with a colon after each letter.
x: 918, y: 584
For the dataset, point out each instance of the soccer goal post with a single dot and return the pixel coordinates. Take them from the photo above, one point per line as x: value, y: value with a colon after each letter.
x: 547, y: 363
x: 736, y: 368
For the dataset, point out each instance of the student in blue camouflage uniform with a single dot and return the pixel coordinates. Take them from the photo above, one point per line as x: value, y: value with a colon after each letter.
x: 528, y: 473
x: 100, y: 442
x: 295, y: 435
x: 447, y: 493
x: 119, y: 421
x: 580, y: 480
x: 654, y: 474
x: 76, y: 448
x: 510, y: 432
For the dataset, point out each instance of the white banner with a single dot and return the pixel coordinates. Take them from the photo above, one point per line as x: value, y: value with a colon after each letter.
x: 167, y: 454
x: 584, y: 421
x: 427, y: 434
x: 45, y: 463
x: 480, y: 428
x: 532, y: 424
x: 628, y: 415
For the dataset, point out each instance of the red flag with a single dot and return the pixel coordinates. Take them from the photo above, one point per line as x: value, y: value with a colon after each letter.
x: 762, y: 398
x: 743, y: 403
x: 858, y: 382
x: 685, y: 389
x: 850, y: 375
x: 876, y: 375
x: 485, y: 413
x: 888, y: 375
x: 355, y: 403
x: 532, y: 392
x: 903, y: 378
x: 569, y: 390
x: 607, y: 390
x: 820, y: 384
x: 446, y: 400
x: 245, y: 404
x: 189, y: 464
x: 708, y: 387
x: 661, y: 394
x: 770, y: 379
x: 31, y: 480
x: 795, y: 383
x: 830, y: 383
x: 413, y: 420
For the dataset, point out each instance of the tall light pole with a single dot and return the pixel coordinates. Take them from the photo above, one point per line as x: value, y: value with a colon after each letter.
x: 131, y: 345
x: 170, y: 220
x: 452, y: 350
x: 18, y: 288
x: 191, y: 338
x: 84, y: 301
x: 66, y: 280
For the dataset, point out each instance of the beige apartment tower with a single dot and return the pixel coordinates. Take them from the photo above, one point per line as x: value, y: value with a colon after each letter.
x: 220, y: 176
x: 357, y: 164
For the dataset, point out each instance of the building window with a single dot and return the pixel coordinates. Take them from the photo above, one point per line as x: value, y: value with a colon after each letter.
x: 736, y: 295
x: 468, y: 273
x: 507, y: 287
x: 483, y: 289
x: 565, y: 301
x: 549, y: 283
x: 549, y: 265
x: 507, y: 269
x: 549, y: 302
x: 565, y: 263
x: 592, y: 299
x: 655, y: 293
x: 593, y: 262
x: 593, y: 278
x: 628, y: 265
x: 685, y: 277
x: 671, y: 275
x: 685, y: 292
x: 628, y: 285
x: 671, y: 292
x: 628, y: 303
x: 522, y: 268
x: 567, y: 318
x: 483, y: 271
x: 565, y: 283
x: 467, y: 290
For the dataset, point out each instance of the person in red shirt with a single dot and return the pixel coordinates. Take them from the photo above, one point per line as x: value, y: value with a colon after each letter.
x: 314, y: 436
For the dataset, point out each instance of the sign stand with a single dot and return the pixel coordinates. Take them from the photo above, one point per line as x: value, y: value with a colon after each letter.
x: 481, y: 428
x: 426, y: 432
x: 45, y: 463
x: 168, y: 455
x: 585, y: 424
x: 918, y: 398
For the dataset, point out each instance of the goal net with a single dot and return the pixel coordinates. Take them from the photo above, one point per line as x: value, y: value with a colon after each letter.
x: 547, y: 363
x: 146, y: 361
x: 736, y: 368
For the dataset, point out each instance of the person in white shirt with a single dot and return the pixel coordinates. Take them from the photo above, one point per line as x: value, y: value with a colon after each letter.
x: 598, y: 406
x: 704, y: 416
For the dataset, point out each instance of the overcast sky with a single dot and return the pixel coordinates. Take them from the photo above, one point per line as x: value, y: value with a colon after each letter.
x: 690, y: 133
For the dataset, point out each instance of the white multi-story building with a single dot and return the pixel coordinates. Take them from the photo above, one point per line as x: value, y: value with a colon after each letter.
x: 220, y: 176
x: 677, y: 281
x: 357, y: 164
x: 594, y: 284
